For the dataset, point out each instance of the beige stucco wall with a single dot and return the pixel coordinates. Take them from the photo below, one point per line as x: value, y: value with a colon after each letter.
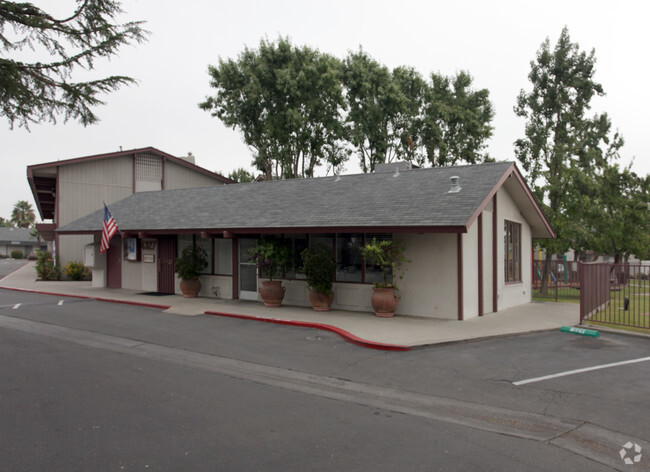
x: 513, y: 294
x: 212, y: 286
x: 85, y: 185
x: 177, y: 176
x: 470, y: 272
x: 82, y: 189
x: 430, y: 284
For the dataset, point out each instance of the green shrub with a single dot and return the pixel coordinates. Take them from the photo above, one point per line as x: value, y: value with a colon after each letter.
x: 45, y: 267
x: 192, y: 262
x: 76, y: 271
x: 320, y: 269
x: 16, y: 254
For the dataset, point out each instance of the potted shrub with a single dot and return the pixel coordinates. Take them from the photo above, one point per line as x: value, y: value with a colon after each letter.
x: 389, y: 256
x: 271, y: 257
x: 188, y: 267
x: 320, y: 269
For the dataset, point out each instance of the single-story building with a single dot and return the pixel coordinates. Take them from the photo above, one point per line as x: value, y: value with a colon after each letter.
x: 67, y: 189
x: 18, y: 239
x: 468, y: 231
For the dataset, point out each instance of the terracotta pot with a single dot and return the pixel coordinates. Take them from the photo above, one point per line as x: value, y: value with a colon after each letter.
x: 320, y: 301
x: 190, y: 287
x: 384, y: 302
x: 272, y: 293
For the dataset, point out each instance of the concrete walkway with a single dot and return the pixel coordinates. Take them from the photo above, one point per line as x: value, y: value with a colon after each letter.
x: 401, y: 332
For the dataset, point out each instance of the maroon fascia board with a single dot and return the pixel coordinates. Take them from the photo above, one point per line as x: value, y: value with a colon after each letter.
x: 312, y: 230
x: 513, y: 171
x: 130, y: 152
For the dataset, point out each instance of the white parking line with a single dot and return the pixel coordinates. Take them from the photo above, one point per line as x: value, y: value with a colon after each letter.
x: 60, y: 302
x: 16, y: 306
x: 579, y: 371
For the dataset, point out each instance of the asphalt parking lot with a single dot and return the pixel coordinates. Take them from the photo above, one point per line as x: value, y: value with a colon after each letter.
x: 613, y: 398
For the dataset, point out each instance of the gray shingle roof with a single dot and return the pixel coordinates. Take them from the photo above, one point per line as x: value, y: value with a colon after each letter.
x: 20, y: 235
x: 416, y: 198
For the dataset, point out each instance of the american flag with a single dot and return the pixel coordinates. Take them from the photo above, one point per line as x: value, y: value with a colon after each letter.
x: 108, y: 230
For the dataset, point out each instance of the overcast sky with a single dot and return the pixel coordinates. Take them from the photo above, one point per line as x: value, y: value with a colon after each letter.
x: 493, y: 40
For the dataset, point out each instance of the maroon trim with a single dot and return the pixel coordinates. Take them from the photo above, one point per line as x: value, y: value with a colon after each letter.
x: 84, y: 297
x: 513, y: 170
x: 309, y: 230
x: 162, y: 182
x: 459, y: 263
x: 480, y: 265
x: 57, y: 218
x: 135, y: 157
x: 305, y: 324
x: 176, y: 160
x: 495, y: 259
x: 235, y: 269
x: 532, y: 198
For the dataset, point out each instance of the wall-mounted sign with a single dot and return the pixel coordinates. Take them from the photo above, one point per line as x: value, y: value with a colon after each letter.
x: 131, y: 249
x: 149, y: 258
x: 149, y: 244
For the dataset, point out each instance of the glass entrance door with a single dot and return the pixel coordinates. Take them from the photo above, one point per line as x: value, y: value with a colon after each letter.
x: 247, y: 270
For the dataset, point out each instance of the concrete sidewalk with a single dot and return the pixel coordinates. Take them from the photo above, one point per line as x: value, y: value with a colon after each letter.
x: 401, y: 332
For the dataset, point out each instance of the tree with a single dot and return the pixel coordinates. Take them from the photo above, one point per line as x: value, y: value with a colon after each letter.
x: 456, y: 122
x: 32, y: 92
x: 5, y: 223
x: 287, y: 103
x: 398, y: 115
x: 22, y: 215
x: 562, y: 145
x: 241, y: 175
x: 376, y: 106
x: 622, y: 226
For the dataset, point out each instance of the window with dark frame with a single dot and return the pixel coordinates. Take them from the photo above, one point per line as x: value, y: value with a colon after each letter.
x: 512, y: 251
x: 345, y: 247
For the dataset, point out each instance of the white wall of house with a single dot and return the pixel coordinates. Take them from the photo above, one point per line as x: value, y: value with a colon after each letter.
x: 518, y: 293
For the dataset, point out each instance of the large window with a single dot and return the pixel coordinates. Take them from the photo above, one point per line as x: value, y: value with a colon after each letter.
x: 349, y: 261
x: 512, y: 251
x: 219, y: 252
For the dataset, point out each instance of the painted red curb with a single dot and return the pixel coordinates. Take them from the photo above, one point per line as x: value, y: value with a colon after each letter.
x: 99, y: 299
x: 306, y: 324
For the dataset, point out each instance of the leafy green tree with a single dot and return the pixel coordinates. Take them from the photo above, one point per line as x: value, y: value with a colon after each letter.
x: 456, y: 121
x: 380, y: 113
x: 22, y: 215
x: 32, y: 92
x: 562, y: 145
x: 241, y: 175
x: 4, y: 223
x: 287, y: 102
x: 398, y: 115
x: 622, y: 226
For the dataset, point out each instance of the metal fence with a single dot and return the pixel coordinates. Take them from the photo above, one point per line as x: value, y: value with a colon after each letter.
x: 615, y: 294
x: 558, y: 280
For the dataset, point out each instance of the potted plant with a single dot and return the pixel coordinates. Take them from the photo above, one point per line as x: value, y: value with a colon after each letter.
x: 389, y: 256
x: 188, y: 267
x: 271, y: 257
x: 320, y: 268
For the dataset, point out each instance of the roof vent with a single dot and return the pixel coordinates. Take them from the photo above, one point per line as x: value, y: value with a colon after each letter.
x: 396, y: 174
x: 455, y: 188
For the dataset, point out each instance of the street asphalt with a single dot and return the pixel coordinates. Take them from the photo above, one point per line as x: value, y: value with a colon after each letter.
x: 89, y: 385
